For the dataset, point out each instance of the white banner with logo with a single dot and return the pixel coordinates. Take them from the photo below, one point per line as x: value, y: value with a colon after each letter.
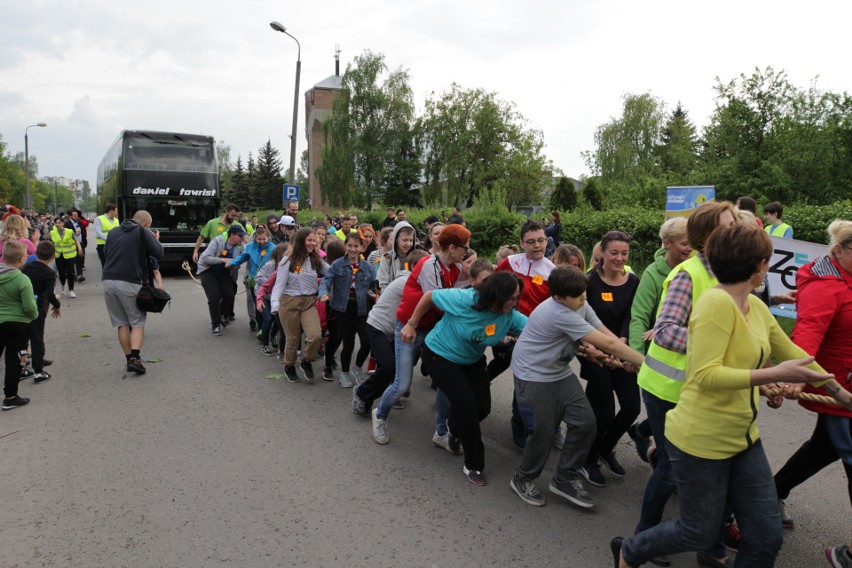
x: 788, y: 257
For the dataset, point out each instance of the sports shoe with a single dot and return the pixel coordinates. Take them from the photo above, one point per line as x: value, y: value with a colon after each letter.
x: 267, y: 350
x: 839, y: 556
x: 615, y: 550
x: 641, y: 442
x: 380, y: 428
x: 334, y: 365
x: 474, y: 476
x: 358, y: 374
x: 39, y: 378
x: 786, y: 520
x: 72, y: 294
x: 612, y: 464
x: 290, y: 373
x: 252, y: 325
x: 327, y: 374
x: 216, y: 330
x: 705, y: 559
x: 731, y: 536
x: 661, y: 561
x: 280, y: 356
x: 345, y: 381
x: 359, y: 407
x: 231, y: 318
x: 81, y: 278
x: 448, y: 442
x: 26, y: 373
x: 307, y: 370
x: 62, y: 290
x: 559, y: 436
x: 592, y: 473
x: 13, y: 403
x: 134, y: 365
x: 572, y: 490
x: 400, y: 404
x: 527, y: 491
x: 47, y: 362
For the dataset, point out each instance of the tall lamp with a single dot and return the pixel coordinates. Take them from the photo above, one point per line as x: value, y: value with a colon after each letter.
x: 280, y: 28
x: 28, y: 197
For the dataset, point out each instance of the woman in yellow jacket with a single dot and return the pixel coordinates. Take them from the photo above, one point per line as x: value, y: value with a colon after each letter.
x: 67, y: 249
x: 711, y: 435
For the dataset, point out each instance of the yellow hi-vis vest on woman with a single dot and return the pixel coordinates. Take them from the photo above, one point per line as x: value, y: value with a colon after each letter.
x: 664, y: 371
x: 107, y: 225
x: 66, y: 245
x: 777, y: 231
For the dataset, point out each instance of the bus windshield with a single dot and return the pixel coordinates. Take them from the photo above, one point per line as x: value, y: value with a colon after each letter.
x: 175, y: 214
x: 170, y: 152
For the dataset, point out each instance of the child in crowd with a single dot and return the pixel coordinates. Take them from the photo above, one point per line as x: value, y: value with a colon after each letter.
x: 43, y: 279
x: 396, y: 258
x: 17, y: 309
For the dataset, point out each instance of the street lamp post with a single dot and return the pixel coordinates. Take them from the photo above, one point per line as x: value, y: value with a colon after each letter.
x: 28, y: 197
x: 280, y: 28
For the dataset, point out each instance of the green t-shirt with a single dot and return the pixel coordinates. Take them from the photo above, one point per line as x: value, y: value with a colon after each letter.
x: 215, y: 227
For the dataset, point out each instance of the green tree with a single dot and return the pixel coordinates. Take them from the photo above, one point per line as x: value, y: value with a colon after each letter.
x: 371, y: 121
x: 677, y: 153
x: 564, y: 195
x: 592, y: 194
x: 268, y: 179
x: 473, y: 141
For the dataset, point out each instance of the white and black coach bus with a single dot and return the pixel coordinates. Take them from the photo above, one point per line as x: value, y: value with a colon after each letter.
x: 173, y: 176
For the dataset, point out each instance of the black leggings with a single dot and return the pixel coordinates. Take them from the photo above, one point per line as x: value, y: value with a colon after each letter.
x: 602, y: 383
x: 219, y: 289
x: 349, y: 323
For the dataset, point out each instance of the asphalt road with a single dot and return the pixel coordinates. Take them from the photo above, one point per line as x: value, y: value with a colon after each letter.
x: 204, y: 461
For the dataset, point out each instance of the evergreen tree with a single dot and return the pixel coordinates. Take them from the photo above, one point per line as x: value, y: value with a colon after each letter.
x: 564, y: 195
x: 592, y: 194
x: 268, y: 178
x: 678, y: 150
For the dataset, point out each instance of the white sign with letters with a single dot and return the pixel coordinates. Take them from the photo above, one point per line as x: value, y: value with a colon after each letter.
x: 788, y: 257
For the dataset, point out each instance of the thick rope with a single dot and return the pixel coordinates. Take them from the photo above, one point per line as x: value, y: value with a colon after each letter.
x: 809, y: 396
x: 185, y: 265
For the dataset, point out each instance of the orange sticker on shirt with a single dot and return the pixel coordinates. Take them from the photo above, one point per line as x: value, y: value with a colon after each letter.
x: 224, y: 253
x: 263, y: 253
x: 606, y: 296
x: 220, y: 228
x: 490, y: 330
x: 537, y: 280
x: 297, y: 270
x: 406, y: 266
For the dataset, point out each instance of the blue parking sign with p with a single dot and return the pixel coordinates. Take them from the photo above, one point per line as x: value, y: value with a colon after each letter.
x: 291, y: 192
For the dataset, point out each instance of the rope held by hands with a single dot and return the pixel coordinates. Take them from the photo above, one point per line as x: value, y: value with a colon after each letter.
x: 808, y: 396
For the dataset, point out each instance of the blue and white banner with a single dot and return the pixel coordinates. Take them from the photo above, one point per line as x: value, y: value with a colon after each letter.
x: 681, y: 201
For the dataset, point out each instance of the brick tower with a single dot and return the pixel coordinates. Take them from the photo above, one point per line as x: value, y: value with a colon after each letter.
x: 318, y: 103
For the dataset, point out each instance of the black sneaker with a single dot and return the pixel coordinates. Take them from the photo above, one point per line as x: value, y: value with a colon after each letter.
x: 290, y: 373
x: 224, y: 321
x: 134, y: 365
x: 641, y: 442
x: 573, y: 491
x: 81, y: 278
x: 231, y: 318
x: 39, y: 378
x: 13, y: 403
x: 26, y: 374
x: 327, y: 374
x: 216, y: 330
x: 47, y: 362
x: 267, y: 350
x: 308, y: 370
x: 359, y: 407
x: 252, y: 325
x: 474, y: 476
x: 592, y: 473
x: 612, y: 464
x: 334, y: 366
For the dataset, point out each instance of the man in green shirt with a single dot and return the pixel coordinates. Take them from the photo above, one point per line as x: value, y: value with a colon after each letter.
x: 216, y: 227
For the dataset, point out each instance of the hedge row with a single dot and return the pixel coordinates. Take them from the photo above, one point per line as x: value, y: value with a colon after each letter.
x: 494, y: 227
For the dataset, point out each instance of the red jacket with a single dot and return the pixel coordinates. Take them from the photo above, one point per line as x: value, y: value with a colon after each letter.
x: 824, y: 324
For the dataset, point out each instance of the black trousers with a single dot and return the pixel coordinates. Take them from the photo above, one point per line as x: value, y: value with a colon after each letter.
x: 37, y: 341
x: 13, y: 338
x: 65, y: 268
x: 219, y: 289
x: 468, y: 389
x: 101, y: 254
x: 813, y: 456
x: 383, y: 350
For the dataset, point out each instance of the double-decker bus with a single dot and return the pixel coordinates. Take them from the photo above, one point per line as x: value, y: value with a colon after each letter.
x: 175, y: 177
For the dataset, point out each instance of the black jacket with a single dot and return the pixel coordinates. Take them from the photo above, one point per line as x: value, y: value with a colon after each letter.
x: 125, y: 253
x: 43, y: 278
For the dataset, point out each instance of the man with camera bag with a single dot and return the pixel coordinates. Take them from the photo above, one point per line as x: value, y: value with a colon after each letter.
x: 125, y: 269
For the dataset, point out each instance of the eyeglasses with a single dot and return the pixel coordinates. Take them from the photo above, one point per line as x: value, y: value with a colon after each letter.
x: 533, y: 242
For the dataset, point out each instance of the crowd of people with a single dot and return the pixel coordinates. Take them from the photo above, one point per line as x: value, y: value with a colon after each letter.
x: 692, y: 338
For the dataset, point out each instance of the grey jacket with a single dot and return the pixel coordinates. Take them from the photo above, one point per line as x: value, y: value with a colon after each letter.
x: 125, y: 250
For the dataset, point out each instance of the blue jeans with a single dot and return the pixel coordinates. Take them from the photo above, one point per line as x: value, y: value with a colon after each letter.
x: 405, y: 354
x: 704, y: 486
x: 660, y: 485
x: 442, y: 412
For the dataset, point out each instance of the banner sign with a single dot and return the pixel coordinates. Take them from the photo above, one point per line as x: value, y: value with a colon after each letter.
x: 788, y: 257
x: 681, y: 201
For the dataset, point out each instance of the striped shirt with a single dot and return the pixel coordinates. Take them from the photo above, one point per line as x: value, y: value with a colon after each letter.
x: 302, y: 281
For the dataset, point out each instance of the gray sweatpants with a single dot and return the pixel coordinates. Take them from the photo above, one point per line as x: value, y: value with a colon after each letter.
x: 542, y: 407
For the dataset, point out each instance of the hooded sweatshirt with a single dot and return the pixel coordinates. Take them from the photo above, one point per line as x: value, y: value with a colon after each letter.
x: 392, y: 263
x: 17, y: 301
x: 643, y: 313
x: 125, y: 249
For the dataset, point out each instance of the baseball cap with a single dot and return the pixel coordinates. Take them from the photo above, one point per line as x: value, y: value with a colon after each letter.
x: 236, y: 230
x: 287, y: 221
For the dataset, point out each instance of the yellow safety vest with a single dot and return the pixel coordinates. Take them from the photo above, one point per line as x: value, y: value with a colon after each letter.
x: 664, y: 371
x: 107, y: 225
x: 66, y: 245
x: 777, y: 231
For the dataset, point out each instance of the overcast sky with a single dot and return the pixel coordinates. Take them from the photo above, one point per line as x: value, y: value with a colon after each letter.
x: 90, y: 68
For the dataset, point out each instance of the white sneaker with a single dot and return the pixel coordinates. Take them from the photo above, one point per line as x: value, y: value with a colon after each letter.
x: 358, y: 374
x: 72, y: 294
x: 345, y: 381
x: 380, y: 428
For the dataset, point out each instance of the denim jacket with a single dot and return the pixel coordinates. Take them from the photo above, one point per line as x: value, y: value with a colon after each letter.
x: 339, y: 278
